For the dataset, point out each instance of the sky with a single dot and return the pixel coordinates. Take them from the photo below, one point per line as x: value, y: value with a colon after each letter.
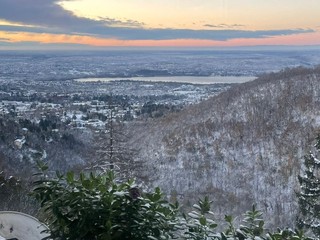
x: 90, y: 24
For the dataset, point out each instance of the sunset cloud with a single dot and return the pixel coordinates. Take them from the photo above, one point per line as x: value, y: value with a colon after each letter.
x: 223, y: 25
x: 46, y: 21
x: 125, y: 33
x: 80, y: 40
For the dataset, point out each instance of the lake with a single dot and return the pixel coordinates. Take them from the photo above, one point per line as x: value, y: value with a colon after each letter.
x: 182, y: 79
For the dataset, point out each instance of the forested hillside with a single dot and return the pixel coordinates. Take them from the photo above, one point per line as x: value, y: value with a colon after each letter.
x: 23, y: 142
x: 242, y: 147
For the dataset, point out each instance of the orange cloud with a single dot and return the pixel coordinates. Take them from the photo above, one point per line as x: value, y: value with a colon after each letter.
x: 297, y: 39
x: 14, y: 37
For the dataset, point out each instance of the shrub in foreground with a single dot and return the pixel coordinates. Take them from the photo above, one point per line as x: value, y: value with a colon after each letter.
x: 92, y: 206
x: 96, y: 207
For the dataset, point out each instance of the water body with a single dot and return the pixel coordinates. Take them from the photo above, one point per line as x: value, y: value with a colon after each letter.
x: 180, y: 79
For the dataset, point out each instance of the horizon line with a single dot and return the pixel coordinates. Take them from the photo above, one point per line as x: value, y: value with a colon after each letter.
x: 168, y: 48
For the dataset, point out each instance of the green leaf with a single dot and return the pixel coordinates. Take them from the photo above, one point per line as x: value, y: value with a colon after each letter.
x: 70, y: 177
x: 228, y: 218
x: 261, y: 224
x: 203, y: 221
x: 214, y: 225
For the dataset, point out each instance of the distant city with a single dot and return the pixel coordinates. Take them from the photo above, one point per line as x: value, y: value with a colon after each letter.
x: 74, y: 79
x: 37, y: 65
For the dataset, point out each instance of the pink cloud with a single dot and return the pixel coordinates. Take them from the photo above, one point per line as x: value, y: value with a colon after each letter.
x: 297, y: 39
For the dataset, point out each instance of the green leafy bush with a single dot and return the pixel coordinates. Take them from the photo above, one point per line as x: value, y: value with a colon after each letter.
x: 309, y: 194
x: 200, y: 225
x: 89, y: 207
x: 97, y: 207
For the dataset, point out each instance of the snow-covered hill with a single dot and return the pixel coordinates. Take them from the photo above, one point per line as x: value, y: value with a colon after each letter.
x: 242, y: 147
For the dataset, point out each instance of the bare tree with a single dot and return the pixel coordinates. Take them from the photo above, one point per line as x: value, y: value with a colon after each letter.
x: 110, y: 146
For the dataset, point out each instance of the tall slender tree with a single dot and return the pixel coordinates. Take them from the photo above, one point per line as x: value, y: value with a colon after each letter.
x: 309, y: 195
x: 111, y: 150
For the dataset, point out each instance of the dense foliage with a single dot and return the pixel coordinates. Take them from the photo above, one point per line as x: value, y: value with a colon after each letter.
x: 98, y: 207
x: 309, y: 196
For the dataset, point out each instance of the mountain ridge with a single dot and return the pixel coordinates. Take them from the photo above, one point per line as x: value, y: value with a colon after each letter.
x: 241, y: 147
